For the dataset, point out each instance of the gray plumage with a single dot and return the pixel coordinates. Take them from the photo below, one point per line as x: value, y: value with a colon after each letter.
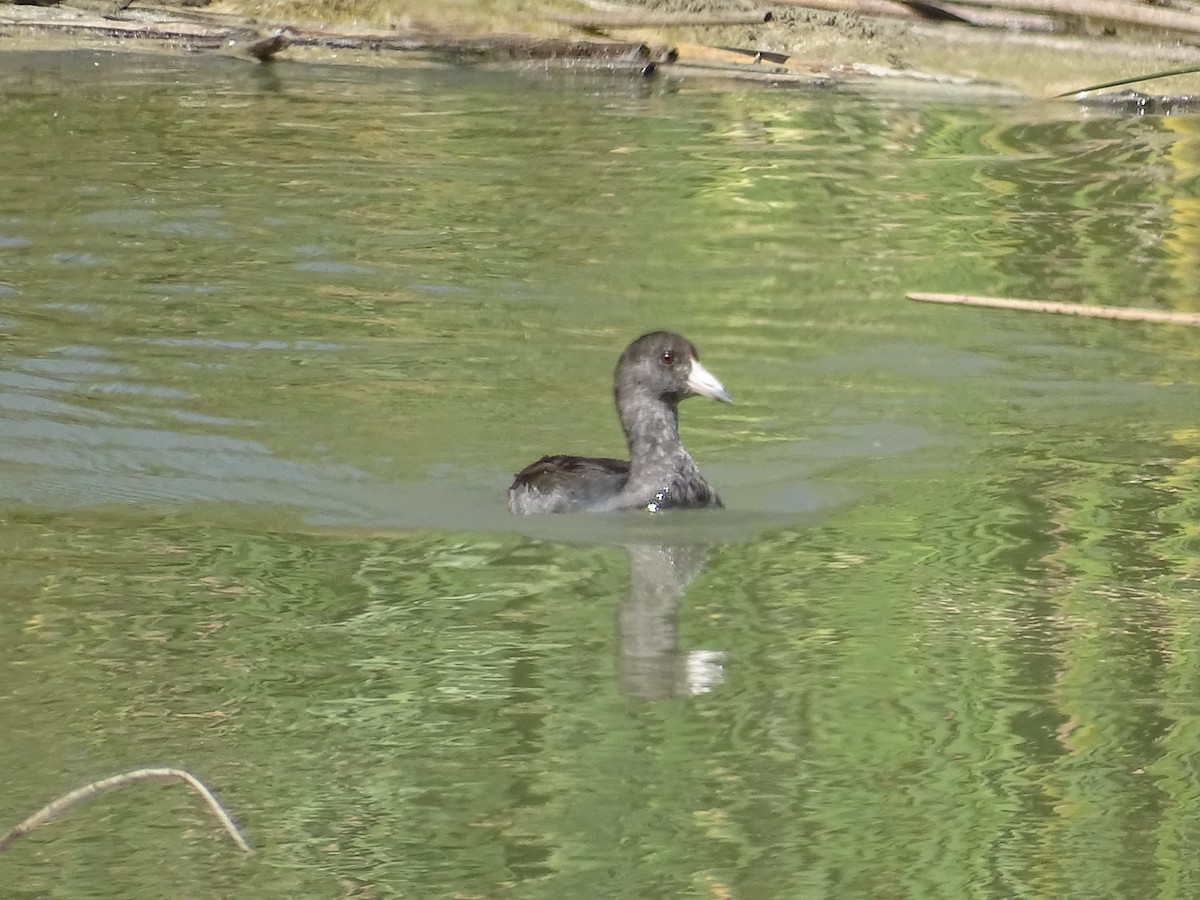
x: 652, y: 376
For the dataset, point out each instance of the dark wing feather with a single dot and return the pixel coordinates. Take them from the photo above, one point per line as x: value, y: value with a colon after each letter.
x: 565, y: 483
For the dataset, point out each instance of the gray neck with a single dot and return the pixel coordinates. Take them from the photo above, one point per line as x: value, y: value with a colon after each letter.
x: 651, y: 427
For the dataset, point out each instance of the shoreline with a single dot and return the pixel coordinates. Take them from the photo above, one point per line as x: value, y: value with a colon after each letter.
x: 780, y: 47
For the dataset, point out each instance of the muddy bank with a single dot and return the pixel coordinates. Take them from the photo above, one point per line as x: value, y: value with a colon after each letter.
x: 1033, y: 52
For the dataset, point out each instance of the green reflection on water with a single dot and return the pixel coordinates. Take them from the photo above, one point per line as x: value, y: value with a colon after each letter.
x: 266, y: 370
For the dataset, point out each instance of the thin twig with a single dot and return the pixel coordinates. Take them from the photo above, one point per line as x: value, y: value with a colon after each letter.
x: 1068, y: 309
x: 1171, y: 73
x: 61, y: 804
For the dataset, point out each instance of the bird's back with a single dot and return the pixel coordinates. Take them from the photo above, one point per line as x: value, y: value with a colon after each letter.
x: 566, y: 484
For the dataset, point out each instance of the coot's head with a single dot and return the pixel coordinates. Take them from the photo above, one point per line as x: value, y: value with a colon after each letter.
x: 666, y: 366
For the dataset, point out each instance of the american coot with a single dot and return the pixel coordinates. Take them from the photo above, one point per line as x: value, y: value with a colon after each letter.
x: 653, y: 374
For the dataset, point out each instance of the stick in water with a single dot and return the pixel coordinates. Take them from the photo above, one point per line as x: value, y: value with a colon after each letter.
x: 59, y: 805
x: 1068, y: 309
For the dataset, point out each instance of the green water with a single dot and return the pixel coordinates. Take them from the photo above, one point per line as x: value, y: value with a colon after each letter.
x: 273, y: 340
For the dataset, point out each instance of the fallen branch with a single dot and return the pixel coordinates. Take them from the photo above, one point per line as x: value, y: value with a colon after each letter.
x: 862, y: 7
x: 191, y: 32
x: 600, y: 20
x: 736, y: 54
x: 774, y: 75
x: 1068, y: 309
x: 495, y: 46
x: 59, y: 805
x: 935, y: 13
x: 899, y: 10
x: 1106, y: 10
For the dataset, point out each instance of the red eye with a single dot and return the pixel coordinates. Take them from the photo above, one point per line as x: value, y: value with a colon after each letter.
x: 668, y: 358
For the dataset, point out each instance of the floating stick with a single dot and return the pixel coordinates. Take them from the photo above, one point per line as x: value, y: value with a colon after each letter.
x: 1067, y: 309
x: 59, y: 805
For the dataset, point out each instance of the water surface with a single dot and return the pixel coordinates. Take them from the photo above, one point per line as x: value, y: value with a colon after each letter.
x: 275, y: 338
